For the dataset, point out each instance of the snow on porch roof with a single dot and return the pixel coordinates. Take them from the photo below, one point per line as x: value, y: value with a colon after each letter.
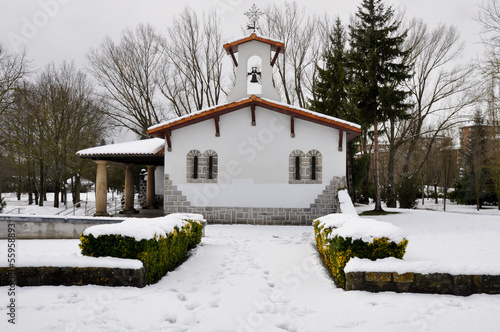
x: 301, y: 113
x: 144, y: 151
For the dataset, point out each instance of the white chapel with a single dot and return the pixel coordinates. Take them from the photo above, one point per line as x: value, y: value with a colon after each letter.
x: 254, y: 159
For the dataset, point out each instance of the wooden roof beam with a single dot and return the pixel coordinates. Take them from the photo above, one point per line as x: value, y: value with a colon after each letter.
x: 233, y: 57
x: 217, y: 131
x: 276, y: 54
x: 169, y: 142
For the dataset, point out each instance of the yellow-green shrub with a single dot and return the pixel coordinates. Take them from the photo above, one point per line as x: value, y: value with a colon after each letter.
x: 159, y: 254
x: 336, y: 250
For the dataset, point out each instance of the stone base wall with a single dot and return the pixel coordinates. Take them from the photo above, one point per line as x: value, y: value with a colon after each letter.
x: 39, y: 227
x: 435, y: 283
x: 70, y: 276
x: 326, y: 203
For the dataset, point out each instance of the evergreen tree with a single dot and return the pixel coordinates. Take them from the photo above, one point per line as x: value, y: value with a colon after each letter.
x: 377, y: 71
x: 330, y: 95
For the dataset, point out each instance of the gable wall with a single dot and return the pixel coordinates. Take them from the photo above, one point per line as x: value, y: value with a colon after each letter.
x: 253, y: 161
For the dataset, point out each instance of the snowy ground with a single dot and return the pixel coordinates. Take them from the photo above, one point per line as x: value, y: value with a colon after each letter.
x: 269, y: 278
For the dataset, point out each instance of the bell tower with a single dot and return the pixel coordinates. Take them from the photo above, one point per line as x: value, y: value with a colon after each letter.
x: 254, y: 57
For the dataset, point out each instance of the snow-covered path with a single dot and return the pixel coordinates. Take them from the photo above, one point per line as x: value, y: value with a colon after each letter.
x: 242, y: 278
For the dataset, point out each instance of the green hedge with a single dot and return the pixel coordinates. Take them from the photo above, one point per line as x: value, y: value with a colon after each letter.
x: 336, y: 251
x: 159, y: 255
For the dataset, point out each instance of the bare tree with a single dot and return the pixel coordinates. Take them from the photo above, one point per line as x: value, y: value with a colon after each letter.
x: 128, y: 73
x: 13, y: 67
x: 441, y: 91
x: 191, y: 75
x: 305, y: 39
x: 49, y: 121
x: 489, y: 17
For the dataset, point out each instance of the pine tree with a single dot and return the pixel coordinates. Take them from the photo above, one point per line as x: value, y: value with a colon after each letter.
x: 330, y: 95
x: 378, y: 73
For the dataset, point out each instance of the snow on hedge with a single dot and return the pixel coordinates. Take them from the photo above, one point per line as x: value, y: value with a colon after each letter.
x: 352, y: 226
x: 75, y: 260
x: 145, y: 229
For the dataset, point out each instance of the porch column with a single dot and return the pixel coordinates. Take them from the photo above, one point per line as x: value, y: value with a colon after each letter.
x: 150, y: 188
x: 101, y: 189
x: 129, y: 189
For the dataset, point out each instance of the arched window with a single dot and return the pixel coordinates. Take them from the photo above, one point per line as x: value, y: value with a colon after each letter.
x: 210, y: 166
x: 313, y: 166
x: 296, y: 167
x: 193, y: 166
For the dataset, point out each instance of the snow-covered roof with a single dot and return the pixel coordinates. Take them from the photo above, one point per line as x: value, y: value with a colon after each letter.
x: 150, y: 146
x: 276, y: 45
x: 301, y: 113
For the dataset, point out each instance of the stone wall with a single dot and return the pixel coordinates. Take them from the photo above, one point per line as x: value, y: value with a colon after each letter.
x: 55, y: 227
x: 325, y: 203
x: 435, y: 283
x: 70, y: 276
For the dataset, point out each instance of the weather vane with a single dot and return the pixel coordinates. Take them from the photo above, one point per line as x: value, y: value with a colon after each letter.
x: 253, y: 15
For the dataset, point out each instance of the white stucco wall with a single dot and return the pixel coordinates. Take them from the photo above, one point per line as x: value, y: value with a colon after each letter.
x: 159, y: 180
x: 253, y: 160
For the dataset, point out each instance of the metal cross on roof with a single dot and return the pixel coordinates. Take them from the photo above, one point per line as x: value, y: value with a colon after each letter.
x: 253, y: 15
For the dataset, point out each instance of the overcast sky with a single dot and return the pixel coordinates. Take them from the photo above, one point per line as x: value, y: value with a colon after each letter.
x: 57, y: 30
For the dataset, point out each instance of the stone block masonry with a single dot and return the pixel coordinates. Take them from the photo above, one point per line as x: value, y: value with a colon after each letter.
x: 326, y: 203
x: 72, y: 276
x: 434, y: 283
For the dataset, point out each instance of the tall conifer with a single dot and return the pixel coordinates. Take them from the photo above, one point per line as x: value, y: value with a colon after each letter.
x: 377, y: 71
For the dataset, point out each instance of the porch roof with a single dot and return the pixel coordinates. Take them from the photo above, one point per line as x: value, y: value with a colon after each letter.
x: 148, y: 152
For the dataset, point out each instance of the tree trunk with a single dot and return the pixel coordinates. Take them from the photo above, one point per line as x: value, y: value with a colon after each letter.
x: 350, y: 183
x: 366, y: 182
x: 42, y: 185
x: 77, y: 190
x: 391, y: 186
x: 435, y: 193
x: 30, y: 188
x: 423, y: 190
x: 57, y: 190
x: 35, y: 192
x: 445, y: 197
x: 378, y: 203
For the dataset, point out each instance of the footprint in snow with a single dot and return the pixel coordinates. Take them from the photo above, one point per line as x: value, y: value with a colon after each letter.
x: 170, y: 318
x: 192, y: 305
x: 181, y: 297
x: 214, y: 303
x: 287, y: 326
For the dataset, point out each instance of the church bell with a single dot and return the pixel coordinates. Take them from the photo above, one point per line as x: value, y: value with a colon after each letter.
x: 254, y: 74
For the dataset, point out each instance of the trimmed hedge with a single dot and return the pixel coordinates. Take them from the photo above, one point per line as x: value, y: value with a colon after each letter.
x: 336, y: 251
x: 159, y: 254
